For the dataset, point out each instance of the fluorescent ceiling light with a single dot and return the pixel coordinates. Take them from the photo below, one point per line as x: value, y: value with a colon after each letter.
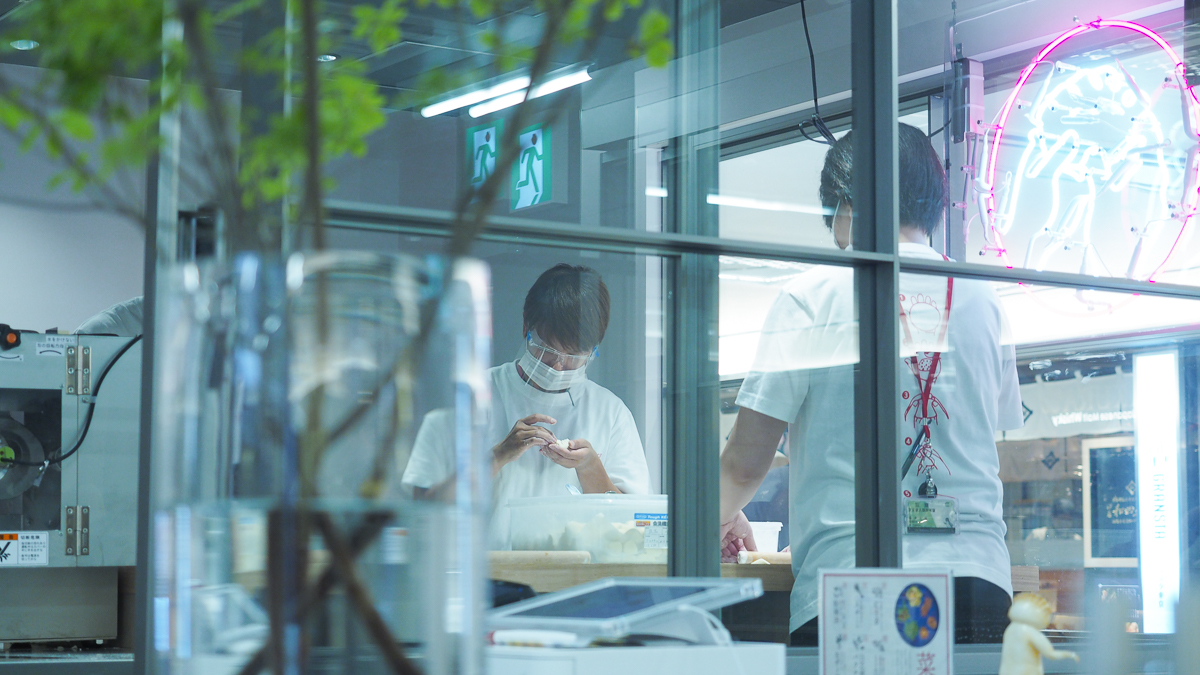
x: 748, y: 203
x: 656, y: 192
x: 24, y: 45
x: 326, y: 58
x: 548, y: 87
x: 471, y: 98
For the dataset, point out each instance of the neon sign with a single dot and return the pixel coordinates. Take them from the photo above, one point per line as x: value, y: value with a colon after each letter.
x: 1092, y: 131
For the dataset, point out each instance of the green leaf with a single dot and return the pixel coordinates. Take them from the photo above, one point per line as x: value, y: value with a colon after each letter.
x: 76, y: 124
x: 653, y: 25
x: 614, y: 10
x: 659, y: 54
x: 481, y: 8
x: 12, y: 115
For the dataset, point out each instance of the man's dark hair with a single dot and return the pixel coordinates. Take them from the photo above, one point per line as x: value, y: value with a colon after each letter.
x: 923, y: 191
x: 568, y: 305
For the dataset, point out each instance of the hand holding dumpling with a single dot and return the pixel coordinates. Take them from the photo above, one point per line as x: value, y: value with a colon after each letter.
x: 571, y: 454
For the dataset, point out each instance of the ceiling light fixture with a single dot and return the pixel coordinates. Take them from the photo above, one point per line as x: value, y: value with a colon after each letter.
x: 24, y: 45
x: 326, y: 58
x: 477, y: 96
x: 550, y: 86
x: 763, y: 205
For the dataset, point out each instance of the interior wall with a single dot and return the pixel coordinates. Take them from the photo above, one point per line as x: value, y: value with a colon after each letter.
x: 64, y: 258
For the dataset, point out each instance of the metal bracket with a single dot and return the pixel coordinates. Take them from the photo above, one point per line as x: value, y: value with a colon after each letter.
x: 72, y: 374
x: 84, y: 530
x: 79, y: 371
x: 85, y: 371
x: 71, y: 532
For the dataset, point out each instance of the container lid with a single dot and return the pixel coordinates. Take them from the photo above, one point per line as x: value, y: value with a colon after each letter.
x: 616, y: 607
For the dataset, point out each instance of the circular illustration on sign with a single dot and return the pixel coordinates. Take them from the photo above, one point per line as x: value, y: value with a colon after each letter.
x: 917, y: 616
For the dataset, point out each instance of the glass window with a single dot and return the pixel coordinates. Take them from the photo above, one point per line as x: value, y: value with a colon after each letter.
x: 788, y: 352
x: 590, y: 152
x: 1075, y: 157
x: 1096, y: 492
x: 603, y: 314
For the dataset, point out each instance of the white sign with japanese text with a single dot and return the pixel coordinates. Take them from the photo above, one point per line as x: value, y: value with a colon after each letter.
x: 22, y: 549
x: 886, y: 622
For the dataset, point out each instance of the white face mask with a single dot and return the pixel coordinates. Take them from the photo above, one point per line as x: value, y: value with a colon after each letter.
x: 548, y: 378
x: 536, y: 357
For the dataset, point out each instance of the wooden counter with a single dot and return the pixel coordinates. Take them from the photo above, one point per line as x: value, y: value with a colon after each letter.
x: 547, y: 571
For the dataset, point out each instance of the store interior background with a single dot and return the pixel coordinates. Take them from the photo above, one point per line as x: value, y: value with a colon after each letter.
x: 1075, y: 352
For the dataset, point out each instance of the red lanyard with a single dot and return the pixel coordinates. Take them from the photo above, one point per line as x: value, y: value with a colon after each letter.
x: 925, y: 385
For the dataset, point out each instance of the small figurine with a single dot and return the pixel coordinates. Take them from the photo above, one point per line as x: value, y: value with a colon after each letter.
x: 1024, y: 644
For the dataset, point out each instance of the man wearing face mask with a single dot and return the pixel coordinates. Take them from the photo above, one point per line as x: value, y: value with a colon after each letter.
x: 550, y: 426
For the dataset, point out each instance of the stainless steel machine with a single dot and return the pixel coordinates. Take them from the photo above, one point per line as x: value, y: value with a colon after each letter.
x: 69, y: 420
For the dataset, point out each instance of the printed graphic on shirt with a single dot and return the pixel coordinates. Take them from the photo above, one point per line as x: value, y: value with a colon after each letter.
x: 924, y: 320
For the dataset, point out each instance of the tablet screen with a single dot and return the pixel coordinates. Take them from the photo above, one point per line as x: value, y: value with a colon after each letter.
x: 611, y: 601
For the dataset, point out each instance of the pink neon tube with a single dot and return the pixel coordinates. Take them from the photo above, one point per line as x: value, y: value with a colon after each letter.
x: 1190, y: 199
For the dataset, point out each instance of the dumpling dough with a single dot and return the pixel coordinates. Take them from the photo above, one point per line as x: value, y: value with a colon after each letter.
x: 563, y: 444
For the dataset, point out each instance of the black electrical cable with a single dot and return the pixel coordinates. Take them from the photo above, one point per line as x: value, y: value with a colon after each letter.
x: 87, y: 421
x: 816, y: 120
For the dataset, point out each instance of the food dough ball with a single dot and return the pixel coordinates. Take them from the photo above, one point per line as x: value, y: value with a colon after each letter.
x: 563, y: 444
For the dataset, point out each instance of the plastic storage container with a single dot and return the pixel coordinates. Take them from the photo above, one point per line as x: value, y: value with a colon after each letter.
x: 613, y: 528
x: 766, y: 536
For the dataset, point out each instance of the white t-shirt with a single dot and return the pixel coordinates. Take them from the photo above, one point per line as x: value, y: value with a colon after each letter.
x: 588, y: 411
x: 804, y: 374
x: 123, y: 319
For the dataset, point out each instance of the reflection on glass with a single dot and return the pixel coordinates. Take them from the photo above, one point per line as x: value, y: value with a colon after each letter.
x: 553, y: 432
x: 959, y: 386
x: 1093, y: 501
x: 1088, y: 165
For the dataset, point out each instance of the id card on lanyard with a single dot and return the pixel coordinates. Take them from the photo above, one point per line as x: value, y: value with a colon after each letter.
x: 927, y: 513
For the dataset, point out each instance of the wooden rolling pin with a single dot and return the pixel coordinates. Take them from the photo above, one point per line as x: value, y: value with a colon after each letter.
x: 539, y: 558
x: 760, y: 558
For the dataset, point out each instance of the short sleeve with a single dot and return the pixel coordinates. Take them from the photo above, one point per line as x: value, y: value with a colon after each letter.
x: 625, y: 458
x: 1011, y: 411
x: 432, y: 459
x: 791, y: 344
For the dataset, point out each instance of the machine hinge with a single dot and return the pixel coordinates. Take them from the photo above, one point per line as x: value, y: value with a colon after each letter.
x: 78, y: 530
x: 71, y: 531
x: 79, y: 371
x: 84, y: 530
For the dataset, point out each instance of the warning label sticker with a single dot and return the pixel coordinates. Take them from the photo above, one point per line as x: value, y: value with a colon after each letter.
x: 55, y: 345
x: 21, y: 549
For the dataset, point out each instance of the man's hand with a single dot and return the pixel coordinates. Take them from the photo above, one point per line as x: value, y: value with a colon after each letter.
x: 736, y: 536
x: 524, y: 435
x: 579, y: 454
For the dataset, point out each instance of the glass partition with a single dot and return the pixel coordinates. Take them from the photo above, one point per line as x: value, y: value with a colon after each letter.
x: 1098, y: 496
x: 788, y: 352
x: 1070, y: 144
x: 578, y: 487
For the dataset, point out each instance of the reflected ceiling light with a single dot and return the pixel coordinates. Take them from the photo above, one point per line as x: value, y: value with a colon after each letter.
x: 326, y: 58
x: 762, y: 205
x: 24, y: 45
x: 656, y: 192
x: 477, y: 96
x: 550, y: 86
x: 1156, y: 424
